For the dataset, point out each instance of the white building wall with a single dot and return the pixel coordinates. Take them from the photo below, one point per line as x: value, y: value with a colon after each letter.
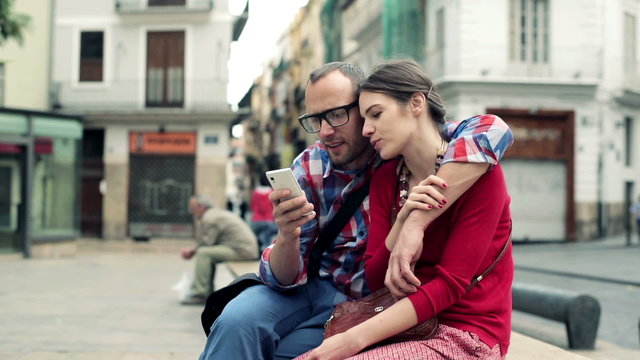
x: 483, y: 34
x: 117, y: 104
x: 615, y: 83
x: 586, y: 47
x: 207, y: 38
x: 576, y: 41
x: 26, y: 67
x: 478, y: 41
x: 587, y: 149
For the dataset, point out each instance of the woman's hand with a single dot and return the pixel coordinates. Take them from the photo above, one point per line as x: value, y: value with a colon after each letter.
x: 424, y: 196
x: 337, y: 347
x: 400, y: 279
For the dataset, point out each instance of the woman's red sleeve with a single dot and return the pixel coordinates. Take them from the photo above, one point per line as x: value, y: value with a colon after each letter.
x: 381, y: 198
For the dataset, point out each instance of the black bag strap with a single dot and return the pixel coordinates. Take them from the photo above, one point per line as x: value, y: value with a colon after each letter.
x: 334, y: 227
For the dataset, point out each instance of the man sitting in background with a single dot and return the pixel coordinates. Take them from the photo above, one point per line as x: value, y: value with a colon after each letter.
x: 221, y: 236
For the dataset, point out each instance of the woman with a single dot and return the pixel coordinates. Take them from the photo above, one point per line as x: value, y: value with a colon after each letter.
x: 403, y: 116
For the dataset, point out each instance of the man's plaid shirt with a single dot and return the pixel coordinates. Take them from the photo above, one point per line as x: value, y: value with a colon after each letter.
x: 483, y: 138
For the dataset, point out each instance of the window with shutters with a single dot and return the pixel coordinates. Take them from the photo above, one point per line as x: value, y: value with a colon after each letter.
x: 530, y: 31
x: 91, y: 56
x: 165, y: 69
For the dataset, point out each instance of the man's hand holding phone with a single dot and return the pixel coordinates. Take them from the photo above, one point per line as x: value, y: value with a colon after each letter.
x: 291, y: 209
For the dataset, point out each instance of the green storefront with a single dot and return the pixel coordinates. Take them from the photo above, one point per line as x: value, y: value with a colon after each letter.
x: 39, y: 179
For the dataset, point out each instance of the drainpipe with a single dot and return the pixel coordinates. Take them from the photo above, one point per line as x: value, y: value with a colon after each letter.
x: 52, y: 27
x: 27, y: 183
x: 602, y: 222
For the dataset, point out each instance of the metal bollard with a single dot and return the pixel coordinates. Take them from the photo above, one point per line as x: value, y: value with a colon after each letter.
x: 580, y: 313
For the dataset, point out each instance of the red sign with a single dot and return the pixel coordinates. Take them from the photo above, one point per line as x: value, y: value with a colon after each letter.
x: 162, y: 143
x: 41, y: 145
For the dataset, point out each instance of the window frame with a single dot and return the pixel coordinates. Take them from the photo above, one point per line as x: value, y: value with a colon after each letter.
x: 630, y: 43
x: 530, y: 35
x: 89, y: 73
x: 628, y: 141
x: 106, y: 58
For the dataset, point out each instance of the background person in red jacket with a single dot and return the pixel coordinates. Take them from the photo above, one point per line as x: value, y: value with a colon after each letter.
x: 403, y: 115
x: 262, y: 221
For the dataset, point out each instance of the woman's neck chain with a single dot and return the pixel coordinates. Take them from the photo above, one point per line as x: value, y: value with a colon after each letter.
x: 405, y: 173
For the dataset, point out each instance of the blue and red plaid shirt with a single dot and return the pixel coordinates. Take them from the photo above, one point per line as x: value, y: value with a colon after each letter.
x: 483, y: 138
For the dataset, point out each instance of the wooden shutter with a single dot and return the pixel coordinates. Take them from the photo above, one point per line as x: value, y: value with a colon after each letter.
x: 165, y: 68
x: 91, y: 55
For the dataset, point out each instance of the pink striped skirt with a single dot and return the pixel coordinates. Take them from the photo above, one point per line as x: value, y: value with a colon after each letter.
x: 448, y: 343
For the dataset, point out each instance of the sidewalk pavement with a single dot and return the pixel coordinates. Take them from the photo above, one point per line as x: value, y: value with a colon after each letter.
x: 112, y: 301
x: 608, y: 259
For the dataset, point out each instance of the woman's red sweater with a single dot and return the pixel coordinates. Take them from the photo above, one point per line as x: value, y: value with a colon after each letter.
x: 460, y: 244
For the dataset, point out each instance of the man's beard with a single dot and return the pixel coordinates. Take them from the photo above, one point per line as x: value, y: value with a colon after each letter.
x: 352, y: 155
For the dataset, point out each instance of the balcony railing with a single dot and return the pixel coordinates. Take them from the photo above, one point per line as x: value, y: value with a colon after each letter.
x: 162, y: 7
x: 136, y: 95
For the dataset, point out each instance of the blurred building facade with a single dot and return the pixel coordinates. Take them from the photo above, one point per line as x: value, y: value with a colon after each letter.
x: 39, y: 149
x: 565, y: 75
x: 276, y: 99
x: 150, y: 80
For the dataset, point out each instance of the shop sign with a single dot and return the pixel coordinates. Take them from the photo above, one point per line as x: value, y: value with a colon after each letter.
x: 162, y: 143
x: 540, y: 139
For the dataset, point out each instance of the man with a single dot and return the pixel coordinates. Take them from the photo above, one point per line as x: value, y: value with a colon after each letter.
x: 222, y: 236
x: 286, y: 318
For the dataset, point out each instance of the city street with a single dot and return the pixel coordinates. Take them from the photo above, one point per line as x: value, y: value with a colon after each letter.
x: 114, y: 300
x: 605, y: 269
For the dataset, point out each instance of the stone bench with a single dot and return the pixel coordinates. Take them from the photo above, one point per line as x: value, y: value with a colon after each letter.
x: 580, y: 313
x: 237, y: 268
x: 522, y: 347
x: 526, y: 348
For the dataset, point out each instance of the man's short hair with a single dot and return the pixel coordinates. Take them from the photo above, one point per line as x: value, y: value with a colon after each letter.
x: 351, y: 71
x: 203, y: 200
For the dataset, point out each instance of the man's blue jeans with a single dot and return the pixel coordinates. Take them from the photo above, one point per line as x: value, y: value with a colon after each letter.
x: 262, y: 323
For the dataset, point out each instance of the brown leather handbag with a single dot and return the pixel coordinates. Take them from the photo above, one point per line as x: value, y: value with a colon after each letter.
x: 351, y: 313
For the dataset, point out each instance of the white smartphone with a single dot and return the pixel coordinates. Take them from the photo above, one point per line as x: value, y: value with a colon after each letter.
x: 284, y: 179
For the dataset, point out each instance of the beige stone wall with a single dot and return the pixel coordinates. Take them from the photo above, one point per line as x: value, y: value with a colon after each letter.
x: 54, y: 250
x: 210, y: 180
x: 616, y: 213
x: 115, y: 200
x: 586, y: 221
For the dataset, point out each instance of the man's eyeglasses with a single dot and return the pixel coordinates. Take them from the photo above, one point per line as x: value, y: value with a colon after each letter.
x: 335, y: 117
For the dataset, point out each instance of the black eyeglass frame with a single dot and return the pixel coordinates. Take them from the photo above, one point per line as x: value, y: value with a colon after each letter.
x: 323, y: 116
